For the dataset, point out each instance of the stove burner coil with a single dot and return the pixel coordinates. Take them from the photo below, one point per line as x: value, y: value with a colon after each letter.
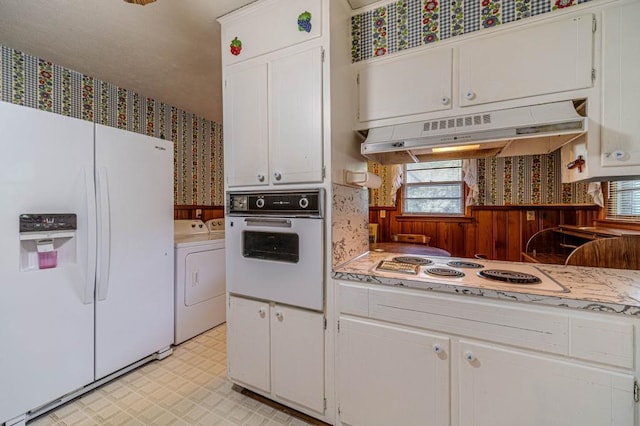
x: 509, y: 276
x: 413, y: 260
x: 444, y: 272
x: 464, y: 264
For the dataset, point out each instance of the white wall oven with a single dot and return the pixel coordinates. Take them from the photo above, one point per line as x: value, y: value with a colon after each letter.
x: 275, y: 246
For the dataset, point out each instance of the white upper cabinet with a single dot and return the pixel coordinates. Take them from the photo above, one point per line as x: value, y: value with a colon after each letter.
x: 246, y: 126
x: 410, y: 84
x: 295, y: 140
x: 537, y: 60
x: 273, y: 93
x: 621, y: 89
x: 269, y: 26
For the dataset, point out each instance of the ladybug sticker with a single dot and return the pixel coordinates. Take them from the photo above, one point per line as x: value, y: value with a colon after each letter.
x: 304, y: 22
x: 235, y: 47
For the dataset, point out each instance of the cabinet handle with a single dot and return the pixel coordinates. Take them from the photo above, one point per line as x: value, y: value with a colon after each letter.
x: 470, y: 95
x: 261, y: 178
x: 445, y: 100
x: 262, y: 312
x: 277, y: 176
x: 279, y: 315
x: 469, y: 356
x: 437, y: 348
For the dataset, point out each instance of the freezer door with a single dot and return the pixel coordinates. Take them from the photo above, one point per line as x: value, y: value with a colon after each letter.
x: 134, y: 281
x: 46, y: 315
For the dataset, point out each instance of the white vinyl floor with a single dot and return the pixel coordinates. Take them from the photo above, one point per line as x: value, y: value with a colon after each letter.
x: 187, y: 388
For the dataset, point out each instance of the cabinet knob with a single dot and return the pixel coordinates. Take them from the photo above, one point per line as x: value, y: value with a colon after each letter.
x: 437, y: 348
x: 469, y: 356
x: 277, y: 176
x: 470, y: 95
x: 279, y: 315
x: 262, y: 312
x: 445, y: 100
x: 261, y: 178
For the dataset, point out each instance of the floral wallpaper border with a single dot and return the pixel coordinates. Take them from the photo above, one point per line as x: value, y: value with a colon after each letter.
x: 198, y: 156
x: 405, y: 24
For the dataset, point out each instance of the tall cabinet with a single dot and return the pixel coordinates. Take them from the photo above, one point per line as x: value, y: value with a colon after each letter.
x: 288, y: 101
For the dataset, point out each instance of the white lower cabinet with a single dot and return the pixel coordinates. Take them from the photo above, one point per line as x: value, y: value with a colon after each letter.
x: 410, y: 357
x: 391, y: 375
x: 278, y: 351
x: 500, y: 386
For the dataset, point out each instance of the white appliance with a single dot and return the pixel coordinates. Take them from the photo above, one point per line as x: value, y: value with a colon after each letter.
x: 536, y: 129
x: 275, y: 246
x: 105, y: 304
x: 200, y: 277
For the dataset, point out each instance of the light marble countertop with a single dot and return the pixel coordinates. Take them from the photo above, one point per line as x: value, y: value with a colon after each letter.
x: 596, y: 289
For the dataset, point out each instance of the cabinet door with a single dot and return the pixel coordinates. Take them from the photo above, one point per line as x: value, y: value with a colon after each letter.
x: 298, y: 356
x: 296, y: 118
x: 265, y: 27
x: 504, y: 387
x: 245, y: 126
x: 391, y: 375
x: 537, y: 60
x: 406, y: 85
x: 248, y: 342
x: 621, y: 89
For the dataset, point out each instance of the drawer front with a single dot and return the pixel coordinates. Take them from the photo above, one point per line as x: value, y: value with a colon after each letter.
x: 523, y: 327
x: 353, y: 299
x: 603, y: 341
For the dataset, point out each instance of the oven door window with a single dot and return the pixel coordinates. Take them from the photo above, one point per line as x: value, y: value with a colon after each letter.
x: 274, y: 246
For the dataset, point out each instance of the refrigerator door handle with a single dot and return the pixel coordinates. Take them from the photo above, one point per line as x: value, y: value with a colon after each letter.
x: 104, y: 232
x: 90, y: 273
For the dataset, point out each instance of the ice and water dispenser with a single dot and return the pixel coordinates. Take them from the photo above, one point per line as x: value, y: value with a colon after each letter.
x: 47, y: 240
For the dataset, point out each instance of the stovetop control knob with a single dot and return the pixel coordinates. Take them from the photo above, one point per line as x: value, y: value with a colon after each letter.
x: 303, y: 203
x: 260, y: 203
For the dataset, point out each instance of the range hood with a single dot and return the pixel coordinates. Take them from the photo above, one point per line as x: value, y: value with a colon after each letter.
x: 536, y: 129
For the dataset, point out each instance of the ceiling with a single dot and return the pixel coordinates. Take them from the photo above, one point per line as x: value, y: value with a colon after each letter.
x: 168, y: 50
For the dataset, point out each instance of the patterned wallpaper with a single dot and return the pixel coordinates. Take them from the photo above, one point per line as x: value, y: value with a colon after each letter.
x: 405, y: 24
x: 528, y: 179
x: 198, y: 162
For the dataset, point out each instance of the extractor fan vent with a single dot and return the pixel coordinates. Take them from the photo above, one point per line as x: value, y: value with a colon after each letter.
x: 457, y: 122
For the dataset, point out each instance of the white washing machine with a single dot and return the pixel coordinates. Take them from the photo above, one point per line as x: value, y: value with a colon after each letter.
x: 199, y: 277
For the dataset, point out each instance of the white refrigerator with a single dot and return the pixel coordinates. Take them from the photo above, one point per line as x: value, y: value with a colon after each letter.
x: 108, y: 302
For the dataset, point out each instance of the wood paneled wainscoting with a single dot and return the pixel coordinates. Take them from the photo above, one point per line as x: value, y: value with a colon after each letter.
x: 190, y: 212
x: 499, y: 232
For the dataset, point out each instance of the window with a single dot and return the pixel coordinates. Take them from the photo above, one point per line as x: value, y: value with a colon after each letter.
x: 624, y: 200
x: 434, y: 188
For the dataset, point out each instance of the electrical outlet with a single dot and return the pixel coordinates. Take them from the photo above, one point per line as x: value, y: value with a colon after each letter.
x: 383, y: 214
x: 531, y: 215
x: 198, y: 213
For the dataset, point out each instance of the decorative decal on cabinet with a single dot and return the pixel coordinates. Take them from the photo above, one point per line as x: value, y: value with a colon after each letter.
x: 235, y: 47
x: 405, y: 24
x: 36, y: 83
x: 304, y: 22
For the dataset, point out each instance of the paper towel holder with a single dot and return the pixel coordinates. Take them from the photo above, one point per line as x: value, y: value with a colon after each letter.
x: 362, y: 178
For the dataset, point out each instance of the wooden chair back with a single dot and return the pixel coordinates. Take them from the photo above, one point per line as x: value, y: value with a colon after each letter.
x: 619, y: 252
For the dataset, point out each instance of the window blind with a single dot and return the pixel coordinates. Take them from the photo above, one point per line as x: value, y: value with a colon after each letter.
x: 624, y: 200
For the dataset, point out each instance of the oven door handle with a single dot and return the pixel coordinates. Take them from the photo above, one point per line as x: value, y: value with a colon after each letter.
x: 277, y: 223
